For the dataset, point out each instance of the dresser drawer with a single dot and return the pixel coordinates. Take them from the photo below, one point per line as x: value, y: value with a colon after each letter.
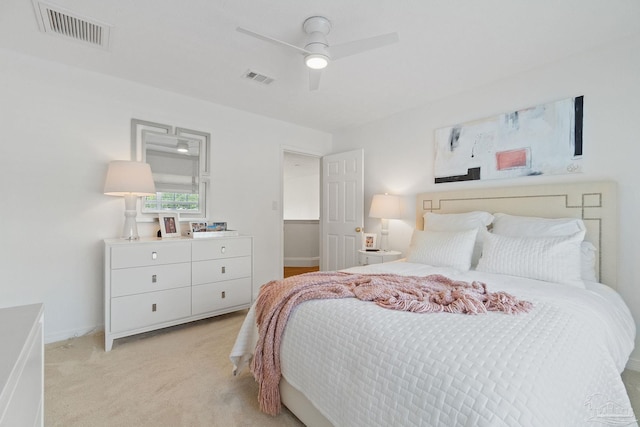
x: 129, y: 281
x: 137, y: 311
x: 221, y: 295
x: 141, y: 255
x: 221, y: 248
x: 216, y: 270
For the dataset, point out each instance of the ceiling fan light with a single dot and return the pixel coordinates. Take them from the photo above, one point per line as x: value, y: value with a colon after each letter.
x: 316, y: 61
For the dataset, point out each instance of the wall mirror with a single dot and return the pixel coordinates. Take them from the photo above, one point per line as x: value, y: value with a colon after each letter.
x: 180, y: 165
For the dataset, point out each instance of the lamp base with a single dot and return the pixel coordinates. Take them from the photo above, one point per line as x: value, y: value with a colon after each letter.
x: 384, y: 235
x: 130, y: 230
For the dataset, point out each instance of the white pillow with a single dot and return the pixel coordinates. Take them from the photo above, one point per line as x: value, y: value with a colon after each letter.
x: 526, y: 226
x: 588, y: 262
x: 443, y: 248
x: 456, y: 222
x: 461, y: 222
x: 553, y: 259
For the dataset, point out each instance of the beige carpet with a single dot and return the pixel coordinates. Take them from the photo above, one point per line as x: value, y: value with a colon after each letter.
x: 179, y: 376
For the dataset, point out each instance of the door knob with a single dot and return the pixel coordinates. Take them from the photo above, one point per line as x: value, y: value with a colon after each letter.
x: 358, y: 229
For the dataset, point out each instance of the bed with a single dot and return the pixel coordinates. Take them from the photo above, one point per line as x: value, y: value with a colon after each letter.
x: 347, y: 362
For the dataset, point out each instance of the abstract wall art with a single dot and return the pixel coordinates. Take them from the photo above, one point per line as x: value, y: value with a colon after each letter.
x: 541, y: 140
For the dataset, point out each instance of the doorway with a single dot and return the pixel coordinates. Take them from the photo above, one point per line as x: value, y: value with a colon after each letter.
x: 301, y: 212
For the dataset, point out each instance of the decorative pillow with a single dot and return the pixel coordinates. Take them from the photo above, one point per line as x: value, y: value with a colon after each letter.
x: 443, y: 248
x: 456, y: 222
x: 553, y: 259
x: 526, y: 226
x: 460, y: 222
x: 588, y: 262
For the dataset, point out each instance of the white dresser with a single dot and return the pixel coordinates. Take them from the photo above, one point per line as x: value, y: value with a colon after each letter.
x: 21, y: 366
x: 155, y: 283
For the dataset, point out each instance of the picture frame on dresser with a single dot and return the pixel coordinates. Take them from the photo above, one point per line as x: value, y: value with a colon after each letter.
x: 217, y: 226
x: 199, y: 226
x: 169, y: 225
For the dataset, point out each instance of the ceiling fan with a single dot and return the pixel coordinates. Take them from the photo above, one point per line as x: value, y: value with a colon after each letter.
x: 317, y: 52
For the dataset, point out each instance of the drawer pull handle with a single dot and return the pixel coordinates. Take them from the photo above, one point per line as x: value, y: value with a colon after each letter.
x: 154, y: 255
x: 153, y: 307
x: 224, y: 294
x: 154, y: 278
x: 224, y: 269
x: 223, y: 249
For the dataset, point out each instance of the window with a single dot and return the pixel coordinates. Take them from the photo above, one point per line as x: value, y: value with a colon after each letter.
x: 163, y: 202
x: 180, y: 167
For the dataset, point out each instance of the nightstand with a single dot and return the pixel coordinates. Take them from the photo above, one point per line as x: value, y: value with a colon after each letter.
x: 370, y: 257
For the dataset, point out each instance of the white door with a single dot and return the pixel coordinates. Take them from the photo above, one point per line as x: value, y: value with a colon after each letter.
x: 342, y: 218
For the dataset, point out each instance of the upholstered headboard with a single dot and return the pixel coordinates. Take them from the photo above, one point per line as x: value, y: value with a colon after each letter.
x: 594, y: 202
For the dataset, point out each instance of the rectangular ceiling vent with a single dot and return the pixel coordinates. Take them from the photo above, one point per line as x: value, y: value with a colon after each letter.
x: 57, y: 21
x: 257, y: 77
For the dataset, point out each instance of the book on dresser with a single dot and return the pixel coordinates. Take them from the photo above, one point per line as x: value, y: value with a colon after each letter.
x: 155, y: 283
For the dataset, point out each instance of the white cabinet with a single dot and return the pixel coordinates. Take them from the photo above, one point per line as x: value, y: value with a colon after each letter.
x: 377, y: 257
x: 21, y: 366
x: 155, y: 283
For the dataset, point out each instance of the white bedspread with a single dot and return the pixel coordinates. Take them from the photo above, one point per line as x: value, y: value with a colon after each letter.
x: 362, y: 365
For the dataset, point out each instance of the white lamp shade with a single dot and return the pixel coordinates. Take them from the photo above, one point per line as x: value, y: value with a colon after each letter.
x: 385, y: 206
x: 126, y: 177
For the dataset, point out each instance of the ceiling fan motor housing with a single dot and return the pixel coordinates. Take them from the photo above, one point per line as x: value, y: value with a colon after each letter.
x: 317, y: 24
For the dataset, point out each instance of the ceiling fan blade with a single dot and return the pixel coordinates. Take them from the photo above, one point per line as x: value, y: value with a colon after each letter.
x: 362, y: 45
x: 314, y: 79
x: 272, y: 40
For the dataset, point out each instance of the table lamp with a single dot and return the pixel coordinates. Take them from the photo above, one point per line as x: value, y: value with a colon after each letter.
x: 385, y: 207
x: 130, y: 180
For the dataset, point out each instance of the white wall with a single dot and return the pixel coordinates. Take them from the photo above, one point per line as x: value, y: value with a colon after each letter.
x: 399, y: 151
x: 301, y: 199
x: 301, y: 243
x: 60, y: 127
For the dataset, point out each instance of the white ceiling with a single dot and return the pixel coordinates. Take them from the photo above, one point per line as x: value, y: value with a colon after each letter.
x: 446, y: 46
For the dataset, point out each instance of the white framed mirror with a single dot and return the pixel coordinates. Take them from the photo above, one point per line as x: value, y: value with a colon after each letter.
x: 180, y: 166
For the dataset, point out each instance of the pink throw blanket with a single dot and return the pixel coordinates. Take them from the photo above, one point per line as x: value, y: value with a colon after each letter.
x: 428, y: 294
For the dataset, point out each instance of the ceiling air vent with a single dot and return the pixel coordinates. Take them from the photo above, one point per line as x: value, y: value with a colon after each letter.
x: 257, y: 77
x: 57, y: 21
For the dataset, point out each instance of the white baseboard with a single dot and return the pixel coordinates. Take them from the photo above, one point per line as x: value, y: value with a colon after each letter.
x: 633, y: 364
x: 65, y: 335
x: 302, y: 261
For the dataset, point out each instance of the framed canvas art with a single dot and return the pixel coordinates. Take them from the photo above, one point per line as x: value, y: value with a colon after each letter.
x: 541, y: 140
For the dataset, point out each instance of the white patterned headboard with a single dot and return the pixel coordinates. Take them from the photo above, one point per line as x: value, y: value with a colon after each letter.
x: 594, y: 202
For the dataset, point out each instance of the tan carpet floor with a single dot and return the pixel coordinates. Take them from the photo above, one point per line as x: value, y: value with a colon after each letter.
x: 179, y: 376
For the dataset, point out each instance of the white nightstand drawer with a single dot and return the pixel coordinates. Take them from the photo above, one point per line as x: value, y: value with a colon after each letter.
x: 221, y: 295
x: 216, y: 270
x: 137, y: 311
x: 221, y: 248
x: 129, y: 281
x: 141, y: 255
x: 377, y: 257
x: 367, y: 259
